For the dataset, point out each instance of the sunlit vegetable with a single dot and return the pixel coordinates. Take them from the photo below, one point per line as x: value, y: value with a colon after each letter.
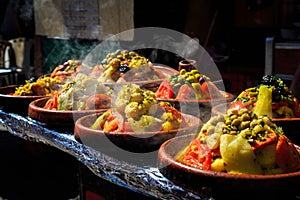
x: 275, y: 96
x: 140, y: 111
x: 241, y: 142
x: 188, y: 85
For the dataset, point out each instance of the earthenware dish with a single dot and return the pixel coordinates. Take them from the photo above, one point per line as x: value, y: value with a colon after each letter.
x: 15, y: 104
x: 290, y: 126
x: 56, y: 118
x: 221, y: 184
x: 131, y: 141
x: 198, y: 108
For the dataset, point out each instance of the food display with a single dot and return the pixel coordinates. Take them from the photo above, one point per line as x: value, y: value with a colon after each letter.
x: 125, y: 66
x: 82, y: 93
x: 43, y: 86
x: 69, y: 69
x: 138, y: 110
x: 242, y: 142
x: 188, y: 85
x: 279, y: 100
x: 47, y: 85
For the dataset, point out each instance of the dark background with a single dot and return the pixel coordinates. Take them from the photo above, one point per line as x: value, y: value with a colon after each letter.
x: 232, y: 31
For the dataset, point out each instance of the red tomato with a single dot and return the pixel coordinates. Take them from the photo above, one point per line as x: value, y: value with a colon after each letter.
x: 111, y: 123
x: 204, y: 89
x: 287, y: 156
x: 198, y: 155
x: 184, y: 92
x: 236, y: 105
x: 210, y: 90
x: 271, y: 137
x: 165, y: 90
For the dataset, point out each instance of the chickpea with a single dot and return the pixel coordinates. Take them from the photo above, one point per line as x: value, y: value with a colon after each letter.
x: 253, y: 123
x: 232, y: 117
x: 267, y: 121
x: 245, y: 117
x: 233, y: 112
x: 236, y: 122
x: 258, y: 128
x: 245, y: 132
x: 242, y: 111
x: 244, y: 125
x: 227, y: 121
x: 267, y: 128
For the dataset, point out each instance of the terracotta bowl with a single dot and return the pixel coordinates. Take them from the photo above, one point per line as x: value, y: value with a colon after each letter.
x: 199, y: 108
x: 223, y: 185
x: 15, y: 104
x: 290, y: 126
x: 130, y: 141
x: 58, y: 118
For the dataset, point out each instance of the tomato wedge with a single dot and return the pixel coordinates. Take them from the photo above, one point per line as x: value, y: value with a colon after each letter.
x: 184, y: 92
x: 198, y: 155
x: 271, y: 137
x: 236, y: 105
x: 287, y: 156
x: 165, y: 90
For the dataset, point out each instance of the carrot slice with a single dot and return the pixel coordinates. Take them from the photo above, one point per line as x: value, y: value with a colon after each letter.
x: 287, y: 156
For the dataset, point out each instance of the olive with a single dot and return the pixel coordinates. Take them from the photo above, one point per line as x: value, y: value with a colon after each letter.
x: 123, y: 68
x: 201, y: 80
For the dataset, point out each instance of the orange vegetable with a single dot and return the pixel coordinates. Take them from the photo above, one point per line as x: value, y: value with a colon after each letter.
x: 185, y: 91
x: 111, y: 123
x: 210, y: 90
x: 237, y: 105
x: 270, y: 138
x: 164, y: 90
x: 287, y: 156
x: 51, y: 104
x: 198, y: 155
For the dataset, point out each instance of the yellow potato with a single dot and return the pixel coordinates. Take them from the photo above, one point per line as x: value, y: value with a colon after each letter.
x: 237, y: 155
x: 218, y: 165
x: 266, y: 156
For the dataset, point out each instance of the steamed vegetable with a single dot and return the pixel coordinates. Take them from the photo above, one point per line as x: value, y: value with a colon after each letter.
x: 263, y: 104
x: 43, y: 86
x: 188, y: 85
x: 279, y: 100
x: 81, y: 93
x: 138, y: 110
x: 124, y: 66
x: 242, y: 142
